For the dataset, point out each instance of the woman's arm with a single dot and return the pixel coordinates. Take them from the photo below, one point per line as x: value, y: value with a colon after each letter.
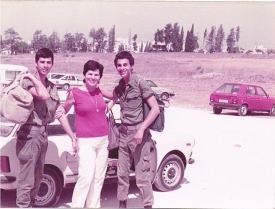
x: 63, y: 109
x: 112, y: 102
x: 107, y: 94
x: 67, y: 128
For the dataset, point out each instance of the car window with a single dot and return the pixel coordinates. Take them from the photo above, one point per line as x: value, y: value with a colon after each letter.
x: 56, y: 128
x: 250, y: 90
x: 151, y: 83
x: 64, y: 78
x: 229, y: 89
x: 10, y: 75
x: 79, y: 79
x: 260, y: 91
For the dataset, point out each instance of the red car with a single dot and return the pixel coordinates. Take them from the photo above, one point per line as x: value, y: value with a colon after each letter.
x: 244, y: 98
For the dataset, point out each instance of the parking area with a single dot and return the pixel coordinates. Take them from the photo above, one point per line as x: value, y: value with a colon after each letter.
x: 234, y: 165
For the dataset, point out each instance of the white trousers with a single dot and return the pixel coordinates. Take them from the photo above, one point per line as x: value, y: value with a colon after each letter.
x: 93, y: 156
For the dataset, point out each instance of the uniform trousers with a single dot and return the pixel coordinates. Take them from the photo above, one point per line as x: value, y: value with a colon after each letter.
x: 93, y: 157
x: 31, y: 148
x: 128, y: 151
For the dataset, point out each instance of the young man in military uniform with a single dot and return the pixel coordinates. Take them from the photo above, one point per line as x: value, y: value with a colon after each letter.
x: 134, y: 142
x: 32, y: 137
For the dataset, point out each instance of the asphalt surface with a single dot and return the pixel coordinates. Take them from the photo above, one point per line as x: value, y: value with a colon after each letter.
x: 234, y: 164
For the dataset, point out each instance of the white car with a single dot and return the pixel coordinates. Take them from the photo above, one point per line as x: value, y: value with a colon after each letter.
x: 164, y: 93
x: 65, y: 81
x: 170, y: 155
x: 9, y: 72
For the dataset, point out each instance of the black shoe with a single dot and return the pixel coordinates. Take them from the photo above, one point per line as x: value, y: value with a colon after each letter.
x: 33, y: 203
x: 148, y: 206
x: 123, y: 204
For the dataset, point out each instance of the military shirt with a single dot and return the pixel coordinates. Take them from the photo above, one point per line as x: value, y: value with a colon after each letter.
x: 44, y: 111
x: 130, y: 97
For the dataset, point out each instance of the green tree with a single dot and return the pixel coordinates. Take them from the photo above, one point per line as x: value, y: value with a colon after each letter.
x: 146, y: 48
x: 69, y: 41
x: 182, y: 38
x: 159, y: 38
x: 210, y: 42
x: 100, y: 40
x: 11, y: 37
x: 111, y: 40
x: 176, y: 38
x: 39, y: 40
x: 191, y: 41
x: 54, y: 42
x: 92, y: 36
x: 80, y: 42
x: 219, y: 39
x: 204, y: 36
x: 134, y: 42
x: 121, y: 48
x: 238, y: 31
x: 230, y: 41
x: 141, y: 47
x: 168, y: 33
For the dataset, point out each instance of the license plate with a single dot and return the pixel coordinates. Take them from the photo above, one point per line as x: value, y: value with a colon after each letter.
x: 223, y: 100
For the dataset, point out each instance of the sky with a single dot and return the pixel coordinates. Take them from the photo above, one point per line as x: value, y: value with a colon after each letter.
x: 255, y: 18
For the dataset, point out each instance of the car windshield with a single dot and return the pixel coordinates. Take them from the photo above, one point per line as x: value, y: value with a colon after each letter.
x: 229, y: 89
x: 57, y: 76
x: 151, y: 83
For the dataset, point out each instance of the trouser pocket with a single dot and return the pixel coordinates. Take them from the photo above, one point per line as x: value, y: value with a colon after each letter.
x: 24, y: 150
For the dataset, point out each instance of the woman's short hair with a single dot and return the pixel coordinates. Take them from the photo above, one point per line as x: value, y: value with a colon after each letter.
x: 93, y: 65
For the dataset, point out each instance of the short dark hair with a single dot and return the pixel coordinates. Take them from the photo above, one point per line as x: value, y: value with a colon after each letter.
x: 124, y: 55
x: 44, y: 53
x: 93, y: 65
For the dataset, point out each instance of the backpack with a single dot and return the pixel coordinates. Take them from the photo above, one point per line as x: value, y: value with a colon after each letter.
x: 158, y: 123
x: 16, y: 102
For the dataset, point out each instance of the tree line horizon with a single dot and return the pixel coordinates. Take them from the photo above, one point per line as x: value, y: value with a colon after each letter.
x: 170, y: 38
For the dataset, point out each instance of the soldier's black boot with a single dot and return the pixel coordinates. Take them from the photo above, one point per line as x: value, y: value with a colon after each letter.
x: 123, y: 204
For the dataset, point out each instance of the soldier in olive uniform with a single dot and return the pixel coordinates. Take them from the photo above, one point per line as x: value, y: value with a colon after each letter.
x: 134, y: 142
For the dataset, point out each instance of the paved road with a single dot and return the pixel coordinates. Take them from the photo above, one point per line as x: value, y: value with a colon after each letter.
x: 234, y: 164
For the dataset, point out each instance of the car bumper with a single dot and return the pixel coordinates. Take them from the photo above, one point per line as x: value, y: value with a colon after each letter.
x: 225, y: 105
x: 8, y: 182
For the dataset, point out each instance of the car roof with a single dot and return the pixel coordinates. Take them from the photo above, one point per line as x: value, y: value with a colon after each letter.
x: 246, y: 84
x: 12, y: 67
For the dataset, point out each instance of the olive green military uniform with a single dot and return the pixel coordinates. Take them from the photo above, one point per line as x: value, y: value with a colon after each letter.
x: 32, y: 144
x: 131, y: 118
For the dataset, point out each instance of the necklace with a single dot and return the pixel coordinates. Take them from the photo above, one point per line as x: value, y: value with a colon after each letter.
x: 95, y: 102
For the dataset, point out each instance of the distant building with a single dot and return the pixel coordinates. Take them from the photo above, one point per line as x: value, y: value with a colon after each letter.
x: 259, y: 48
x: 5, y: 51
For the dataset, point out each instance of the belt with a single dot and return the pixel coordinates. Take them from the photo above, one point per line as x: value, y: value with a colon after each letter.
x: 34, y: 127
x: 127, y: 127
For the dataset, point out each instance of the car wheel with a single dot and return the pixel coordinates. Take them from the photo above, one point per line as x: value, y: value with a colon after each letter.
x: 242, y: 111
x: 164, y: 96
x: 66, y: 87
x: 170, y: 173
x: 217, y: 110
x: 272, y: 111
x: 50, y: 189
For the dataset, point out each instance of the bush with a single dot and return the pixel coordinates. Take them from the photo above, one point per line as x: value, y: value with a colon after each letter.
x: 270, y: 51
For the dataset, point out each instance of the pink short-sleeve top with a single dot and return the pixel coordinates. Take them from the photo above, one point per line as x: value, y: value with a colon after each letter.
x: 90, y: 119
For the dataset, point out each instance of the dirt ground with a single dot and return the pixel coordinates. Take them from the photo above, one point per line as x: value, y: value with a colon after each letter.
x: 192, y: 76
